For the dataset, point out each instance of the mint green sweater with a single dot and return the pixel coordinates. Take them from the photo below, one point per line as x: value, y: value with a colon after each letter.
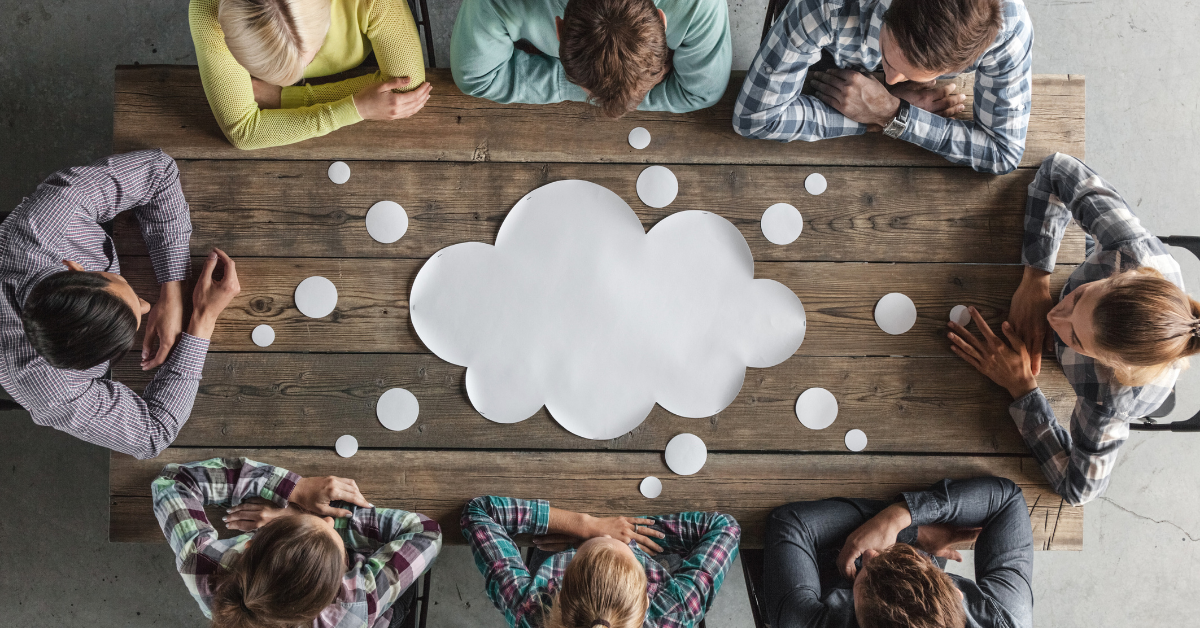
x: 485, y: 63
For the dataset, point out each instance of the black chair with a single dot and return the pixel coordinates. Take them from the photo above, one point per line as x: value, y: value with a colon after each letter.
x: 415, y: 618
x: 420, y: 12
x: 752, y: 571
x: 1148, y: 422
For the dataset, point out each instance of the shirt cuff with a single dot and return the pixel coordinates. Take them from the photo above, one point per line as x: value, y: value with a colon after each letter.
x: 929, y: 125
x: 926, y: 507
x: 187, y: 357
x: 172, y: 261
x: 295, y: 96
x: 541, y: 516
x: 569, y: 90
x: 1030, y: 410
x: 278, y: 490
x: 344, y: 112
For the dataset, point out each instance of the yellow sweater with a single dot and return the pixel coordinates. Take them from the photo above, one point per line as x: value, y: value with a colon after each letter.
x: 307, y: 111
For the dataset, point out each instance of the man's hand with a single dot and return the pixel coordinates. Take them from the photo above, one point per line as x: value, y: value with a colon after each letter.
x: 942, y: 101
x: 314, y: 495
x: 936, y: 539
x: 255, y: 513
x: 163, y: 325
x: 212, y: 296
x: 266, y: 95
x: 1009, y: 365
x: 879, y: 533
x: 857, y: 96
x: 377, y: 101
x: 1027, y: 313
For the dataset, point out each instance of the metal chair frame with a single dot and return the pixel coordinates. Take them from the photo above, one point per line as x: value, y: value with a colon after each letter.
x: 774, y: 8
x: 419, y: 620
x: 420, y: 11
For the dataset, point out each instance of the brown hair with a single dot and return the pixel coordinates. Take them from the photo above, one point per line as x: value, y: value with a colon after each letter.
x: 290, y: 572
x: 615, y: 49
x: 902, y: 589
x: 1144, y: 325
x: 943, y: 35
x: 600, y: 587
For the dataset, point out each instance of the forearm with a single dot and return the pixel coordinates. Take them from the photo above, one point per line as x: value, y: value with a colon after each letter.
x: 577, y: 524
x: 1077, y: 470
x: 298, y: 96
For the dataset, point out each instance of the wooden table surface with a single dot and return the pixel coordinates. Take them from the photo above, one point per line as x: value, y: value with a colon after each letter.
x: 894, y: 219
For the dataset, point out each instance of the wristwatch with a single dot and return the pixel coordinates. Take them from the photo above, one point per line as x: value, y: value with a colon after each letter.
x: 896, y: 127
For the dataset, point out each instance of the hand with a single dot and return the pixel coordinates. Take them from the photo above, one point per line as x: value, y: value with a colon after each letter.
x: 266, y: 95
x: 555, y: 542
x: 255, y: 513
x: 1027, y: 313
x: 937, y: 538
x: 314, y: 495
x: 163, y: 324
x: 942, y: 101
x: 1009, y: 365
x: 857, y: 96
x: 377, y: 101
x: 626, y: 529
x: 878, y: 533
x: 211, y: 297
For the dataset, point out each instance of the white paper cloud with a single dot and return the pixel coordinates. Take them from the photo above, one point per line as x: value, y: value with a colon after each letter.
x: 577, y: 308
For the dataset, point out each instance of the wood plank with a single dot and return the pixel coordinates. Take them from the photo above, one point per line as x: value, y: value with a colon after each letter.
x: 165, y: 107
x: 274, y: 208
x: 747, y: 486
x: 372, y: 311
x: 920, y: 405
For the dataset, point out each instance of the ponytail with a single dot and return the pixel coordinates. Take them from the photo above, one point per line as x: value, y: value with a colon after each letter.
x: 1145, y: 325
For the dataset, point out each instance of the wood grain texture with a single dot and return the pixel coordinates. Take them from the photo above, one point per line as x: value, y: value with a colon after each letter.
x: 372, y: 311
x: 165, y: 107
x: 747, y: 486
x: 912, y: 405
x: 271, y: 208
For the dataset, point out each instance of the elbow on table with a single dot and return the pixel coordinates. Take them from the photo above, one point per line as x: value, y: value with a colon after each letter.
x: 475, y: 511
x: 1008, y: 158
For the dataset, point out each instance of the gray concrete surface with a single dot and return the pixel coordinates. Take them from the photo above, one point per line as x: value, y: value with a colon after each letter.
x: 56, y: 567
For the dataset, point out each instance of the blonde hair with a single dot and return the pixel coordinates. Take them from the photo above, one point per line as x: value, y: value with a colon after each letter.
x: 600, y: 588
x: 271, y: 37
x: 1145, y: 325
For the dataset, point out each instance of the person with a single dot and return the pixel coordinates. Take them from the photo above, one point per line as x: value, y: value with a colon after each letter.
x: 914, y: 42
x: 252, y: 52
x: 603, y: 572
x: 1122, y: 329
x: 621, y: 55
x: 850, y: 563
x: 302, y: 559
x: 67, y: 314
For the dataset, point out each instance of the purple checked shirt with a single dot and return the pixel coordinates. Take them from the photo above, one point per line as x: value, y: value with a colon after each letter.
x: 61, y: 221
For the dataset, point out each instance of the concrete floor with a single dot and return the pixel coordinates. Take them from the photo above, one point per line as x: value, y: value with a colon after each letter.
x: 56, y: 567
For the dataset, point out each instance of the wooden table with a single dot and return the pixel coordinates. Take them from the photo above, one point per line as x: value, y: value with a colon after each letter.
x: 895, y: 218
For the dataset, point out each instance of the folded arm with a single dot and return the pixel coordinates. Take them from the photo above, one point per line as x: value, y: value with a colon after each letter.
x: 708, y: 542
x: 487, y: 523
x: 701, y: 63
x: 403, y: 545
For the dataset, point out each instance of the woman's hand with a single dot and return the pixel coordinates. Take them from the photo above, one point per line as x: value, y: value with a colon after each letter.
x: 937, y: 538
x: 1027, y: 313
x: 266, y: 95
x: 878, y: 533
x: 212, y: 296
x: 314, y: 495
x: 1008, y: 366
x: 377, y: 101
x: 255, y: 513
x: 163, y: 325
x: 626, y: 529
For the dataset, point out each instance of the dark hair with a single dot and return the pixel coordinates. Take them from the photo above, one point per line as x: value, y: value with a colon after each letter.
x: 290, y: 572
x: 943, y: 35
x: 74, y: 320
x: 615, y: 49
x: 902, y: 589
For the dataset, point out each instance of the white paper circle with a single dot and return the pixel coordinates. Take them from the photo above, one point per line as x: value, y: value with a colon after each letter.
x: 856, y: 440
x: 397, y: 409
x: 346, y: 446
x: 316, y: 297
x: 815, y: 183
x: 895, y: 313
x: 657, y: 186
x: 960, y: 314
x: 263, y: 335
x: 386, y: 221
x: 816, y: 408
x: 651, y: 487
x: 639, y: 138
x: 339, y: 172
x: 782, y: 223
x: 686, y: 454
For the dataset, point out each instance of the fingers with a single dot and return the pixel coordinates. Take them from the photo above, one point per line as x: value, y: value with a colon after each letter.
x: 398, y: 82
x: 148, y: 347
x: 969, y: 341
x: 349, y: 492
x: 650, y: 550
x: 845, y: 560
x: 829, y: 77
x: 164, y: 350
x: 210, y: 265
x: 953, y: 555
x: 1017, y: 342
x: 644, y: 527
x: 230, y: 281
x: 965, y: 351
x: 984, y: 329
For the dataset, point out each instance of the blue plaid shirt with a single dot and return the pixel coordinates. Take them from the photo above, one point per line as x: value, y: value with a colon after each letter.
x: 1078, y: 463
x: 770, y: 105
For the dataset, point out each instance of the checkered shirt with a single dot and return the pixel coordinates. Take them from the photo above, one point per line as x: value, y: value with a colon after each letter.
x: 388, y: 549
x: 770, y: 105
x: 61, y: 221
x: 1078, y: 463
x: 707, y: 541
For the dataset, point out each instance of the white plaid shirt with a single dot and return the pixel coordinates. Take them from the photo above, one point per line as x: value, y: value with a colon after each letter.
x: 770, y: 105
x: 61, y: 221
x: 1078, y: 464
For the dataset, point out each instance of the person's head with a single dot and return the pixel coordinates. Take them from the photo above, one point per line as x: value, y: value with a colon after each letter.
x: 76, y: 319
x: 604, y: 582
x: 274, y: 39
x: 899, y: 588
x: 289, y: 572
x: 924, y: 39
x: 1135, y: 322
x: 616, y: 50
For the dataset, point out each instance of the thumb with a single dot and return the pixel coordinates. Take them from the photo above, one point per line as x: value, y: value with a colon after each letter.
x: 1017, y: 342
x: 147, y: 345
x: 954, y: 556
x: 210, y: 265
